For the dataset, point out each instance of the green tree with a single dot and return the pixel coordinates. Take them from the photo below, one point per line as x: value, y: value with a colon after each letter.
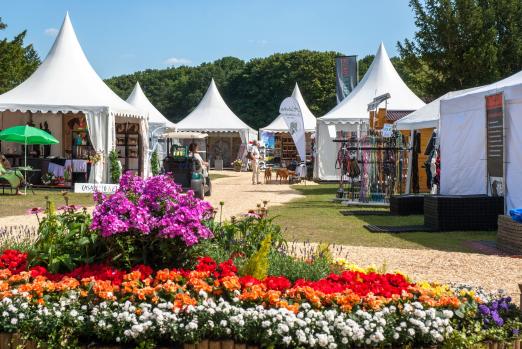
x: 18, y: 61
x: 464, y: 43
x: 253, y: 89
x: 155, y: 163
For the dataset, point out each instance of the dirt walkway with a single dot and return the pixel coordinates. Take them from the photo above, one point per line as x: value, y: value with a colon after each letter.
x: 239, y: 195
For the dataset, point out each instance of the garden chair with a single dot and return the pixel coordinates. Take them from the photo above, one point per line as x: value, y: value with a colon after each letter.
x: 10, y: 179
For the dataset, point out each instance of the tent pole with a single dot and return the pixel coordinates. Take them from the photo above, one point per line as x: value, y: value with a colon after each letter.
x: 25, y: 166
x: 410, y: 165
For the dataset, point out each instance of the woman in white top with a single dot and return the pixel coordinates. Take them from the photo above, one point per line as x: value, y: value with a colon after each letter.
x: 193, y: 151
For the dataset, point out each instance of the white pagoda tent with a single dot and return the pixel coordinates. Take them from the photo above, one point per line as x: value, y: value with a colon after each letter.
x: 279, y: 128
x: 279, y: 124
x: 158, y: 123
x: 352, y: 112
x: 228, y: 135
x: 65, y: 92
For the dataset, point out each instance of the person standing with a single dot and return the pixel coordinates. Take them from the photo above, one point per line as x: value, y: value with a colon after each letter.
x: 254, y: 158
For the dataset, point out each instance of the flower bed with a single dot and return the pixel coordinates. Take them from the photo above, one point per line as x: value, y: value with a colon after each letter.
x: 350, y: 309
x: 140, y: 273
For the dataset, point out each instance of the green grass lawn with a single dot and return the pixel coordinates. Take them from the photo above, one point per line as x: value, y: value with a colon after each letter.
x: 317, y: 218
x: 12, y: 205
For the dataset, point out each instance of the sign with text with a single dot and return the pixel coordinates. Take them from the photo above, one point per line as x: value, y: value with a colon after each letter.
x: 495, y: 142
x: 91, y: 188
x: 346, y: 76
x: 291, y: 112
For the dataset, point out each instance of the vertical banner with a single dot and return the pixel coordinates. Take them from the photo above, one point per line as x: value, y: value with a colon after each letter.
x: 291, y: 112
x: 495, y: 143
x: 346, y: 76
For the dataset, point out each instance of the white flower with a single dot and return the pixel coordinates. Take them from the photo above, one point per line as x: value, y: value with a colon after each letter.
x: 14, y: 321
x: 287, y: 340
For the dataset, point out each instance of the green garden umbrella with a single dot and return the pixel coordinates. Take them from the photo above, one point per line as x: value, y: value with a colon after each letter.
x: 26, y: 135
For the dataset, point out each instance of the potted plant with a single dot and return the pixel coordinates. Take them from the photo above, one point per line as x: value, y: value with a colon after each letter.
x: 238, y: 165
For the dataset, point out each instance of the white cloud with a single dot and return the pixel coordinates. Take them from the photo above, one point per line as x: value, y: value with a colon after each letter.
x: 176, y: 62
x: 51, y: 31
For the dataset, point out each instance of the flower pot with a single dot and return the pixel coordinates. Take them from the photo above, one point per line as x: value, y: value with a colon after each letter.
x: 240, y: 346
x: 214, y: 345
x: 251, y: 346
x: 228, y: 344
x: 516, y: 344
x: 493, y: 345
x: 189, y: 346
x: 203, y: 344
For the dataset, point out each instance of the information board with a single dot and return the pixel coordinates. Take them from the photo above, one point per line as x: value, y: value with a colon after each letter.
x: 495, y: 142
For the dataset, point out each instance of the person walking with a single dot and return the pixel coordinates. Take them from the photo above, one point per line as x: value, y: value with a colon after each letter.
x: 254, y: 158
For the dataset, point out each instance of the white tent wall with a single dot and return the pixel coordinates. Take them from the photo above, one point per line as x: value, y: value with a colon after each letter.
x: 463, y: 143
x: 326, y: 150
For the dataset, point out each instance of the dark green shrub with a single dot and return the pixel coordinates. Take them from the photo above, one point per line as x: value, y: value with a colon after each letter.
x: 65, y: 240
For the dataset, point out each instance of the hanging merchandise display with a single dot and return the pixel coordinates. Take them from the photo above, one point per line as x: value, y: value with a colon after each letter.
x: 372, y: 167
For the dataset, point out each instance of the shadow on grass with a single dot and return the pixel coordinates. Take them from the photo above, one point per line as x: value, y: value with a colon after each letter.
x: 315, y: 217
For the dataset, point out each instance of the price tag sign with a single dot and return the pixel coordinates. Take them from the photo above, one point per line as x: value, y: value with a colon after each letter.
x: 99, y: 187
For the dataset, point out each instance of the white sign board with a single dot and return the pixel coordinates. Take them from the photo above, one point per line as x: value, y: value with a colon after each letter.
x: 91, y: 188
x: 387, y: 130
x: 293, y: 117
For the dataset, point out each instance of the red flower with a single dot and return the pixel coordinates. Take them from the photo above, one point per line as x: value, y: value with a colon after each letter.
x: 206, y: 264
x: 226, y: 268
x: 247, y: 281
x: 278, y: 283
x: 145, y: 271
x: 38, y: 271
x: 13, y: 260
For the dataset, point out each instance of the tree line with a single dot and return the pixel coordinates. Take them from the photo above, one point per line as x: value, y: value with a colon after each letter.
x: 457, y: 44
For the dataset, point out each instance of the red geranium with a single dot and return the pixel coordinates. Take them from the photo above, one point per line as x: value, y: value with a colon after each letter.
x: 278, y: 283
x: 206, y: 264
x: 13, y: 260
x: 227, y: 268
x: 38, y: 271
x: 247, y: 281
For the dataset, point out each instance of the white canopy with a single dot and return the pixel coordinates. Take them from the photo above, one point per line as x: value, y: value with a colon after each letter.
x: 279, y: 124
x: 138, y: 99
x: 429, y: 115
x: 463, y: 141
x: 213, y: 115
x: 380, y: 78
x: 66, y: 82
x: 184, y: 135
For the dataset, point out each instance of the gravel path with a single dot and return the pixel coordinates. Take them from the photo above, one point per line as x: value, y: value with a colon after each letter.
x: 239, y: 195
x: 490, y: 272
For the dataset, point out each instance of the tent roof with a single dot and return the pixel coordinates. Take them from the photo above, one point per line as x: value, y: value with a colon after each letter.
x: 515, y: 79
x: 429, y: 115
x: 279, y: 124
x: 380, y: 78
x: 138, y: 99
x: 65, y: 81
x: 212, y: 115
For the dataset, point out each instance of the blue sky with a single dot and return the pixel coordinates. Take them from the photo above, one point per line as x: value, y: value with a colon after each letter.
x: 125, y: 36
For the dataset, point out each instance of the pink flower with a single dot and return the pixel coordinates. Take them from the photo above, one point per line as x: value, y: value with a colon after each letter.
x: 35, y: 210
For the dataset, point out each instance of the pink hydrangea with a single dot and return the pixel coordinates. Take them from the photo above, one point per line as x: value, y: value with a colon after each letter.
x: 156, y: 206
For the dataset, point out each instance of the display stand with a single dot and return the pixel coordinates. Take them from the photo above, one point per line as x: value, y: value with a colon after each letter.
x: 81, y: 149
x: 128, y: 146
x: 371, y: 167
